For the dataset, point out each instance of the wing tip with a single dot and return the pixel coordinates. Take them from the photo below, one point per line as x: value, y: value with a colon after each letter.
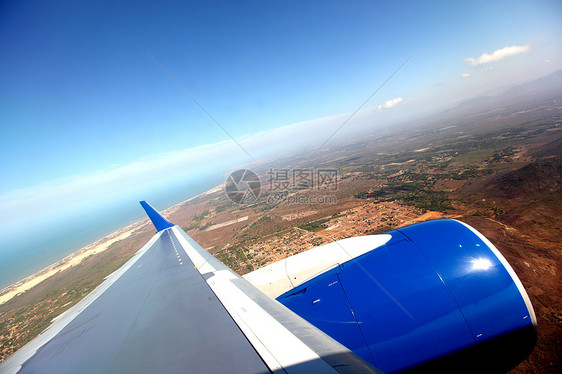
x: 159, y: 222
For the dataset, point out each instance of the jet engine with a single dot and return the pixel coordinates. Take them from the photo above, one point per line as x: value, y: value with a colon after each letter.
x: 433, y: 296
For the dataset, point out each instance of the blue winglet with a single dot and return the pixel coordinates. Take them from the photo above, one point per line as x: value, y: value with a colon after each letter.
x: 158, y: 221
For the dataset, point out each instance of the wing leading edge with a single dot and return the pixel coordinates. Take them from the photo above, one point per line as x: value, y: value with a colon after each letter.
x: 173, y: 307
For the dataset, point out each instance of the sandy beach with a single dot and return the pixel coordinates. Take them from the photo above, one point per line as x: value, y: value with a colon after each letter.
x: 67, y: 262
x: 82, y: 254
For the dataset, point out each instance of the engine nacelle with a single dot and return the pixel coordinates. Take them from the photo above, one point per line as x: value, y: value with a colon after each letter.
x: 435, y: 296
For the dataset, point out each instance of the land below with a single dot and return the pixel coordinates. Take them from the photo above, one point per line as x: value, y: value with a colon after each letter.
x: 499, y: 171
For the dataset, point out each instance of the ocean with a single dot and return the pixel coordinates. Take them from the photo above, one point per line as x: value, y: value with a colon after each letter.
x: 29, y: 250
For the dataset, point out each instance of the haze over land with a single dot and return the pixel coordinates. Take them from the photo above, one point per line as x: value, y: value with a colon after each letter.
x: 59, y: 237
x: 498, y: 169
x: 96, y: 114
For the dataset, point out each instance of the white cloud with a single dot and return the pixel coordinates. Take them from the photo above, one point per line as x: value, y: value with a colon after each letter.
x: 138, y: 177
x: 152, y: 174
x: 390, y: 103
x: 498, y: 54
x: 465, y: 75
x: 157, y: 171
x: 547, y: 61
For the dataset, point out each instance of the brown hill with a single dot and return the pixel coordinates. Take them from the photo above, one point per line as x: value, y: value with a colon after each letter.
x: 527, y: 231
x: 532, y: 182
x: 553, y: 148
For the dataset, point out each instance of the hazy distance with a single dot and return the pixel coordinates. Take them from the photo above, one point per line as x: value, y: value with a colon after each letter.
x: 91, y: 124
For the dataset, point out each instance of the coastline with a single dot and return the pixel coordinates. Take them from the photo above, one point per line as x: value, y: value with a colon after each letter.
x: 69, y: 261
x: 82, y: 254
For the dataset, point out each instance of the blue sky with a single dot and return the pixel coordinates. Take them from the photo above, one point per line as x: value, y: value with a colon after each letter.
x: 86, y: 116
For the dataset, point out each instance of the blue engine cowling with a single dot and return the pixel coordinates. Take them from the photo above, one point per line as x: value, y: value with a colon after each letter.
x: 437, y: 297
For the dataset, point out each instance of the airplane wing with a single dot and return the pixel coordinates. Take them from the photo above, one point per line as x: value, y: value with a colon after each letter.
x: 430, y: 297
x: 175, y: 308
